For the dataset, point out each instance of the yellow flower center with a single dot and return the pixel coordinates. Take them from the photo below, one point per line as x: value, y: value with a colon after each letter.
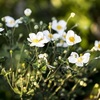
x: 59, y: 27
x: 72, y: 39
x: 50, y: 35
x: 79, y: 59
x: 12, y: 21
x: 98, y: 45
x: 61, y: 41
x: 64, y: 36
x: 36, y: 40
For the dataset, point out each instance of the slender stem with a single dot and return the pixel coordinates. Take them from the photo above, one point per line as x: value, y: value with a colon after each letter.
x: 19, y: 58
x: 36, y: 51
x: 27, y: 28
x: 30, y: 27
x: 12, y: 37
x: 74, y: 87
x: 9, y: 83
x: 20, y: 54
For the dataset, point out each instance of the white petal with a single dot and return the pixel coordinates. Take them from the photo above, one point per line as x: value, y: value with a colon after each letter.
x: 32, y: 36
x: 70, y: 33
x: 73, y: 57
x: 77, y: 39
x: 46, y: 32
x: 86, y: 57
x: 65, y: 44
x: 62, y: 23
x: 40, y: 35
x: 54, y: 24
x: 45, y: 40
x: 10, y: 25
x: 40, y: 45
x: 96, y: 43
x: 59, y: 44
x: 8, y: 19
x: 56, y: 36
x: 1, y: 29
x: 18, y: 21
x: 79, y: 64
x: 29, y: 39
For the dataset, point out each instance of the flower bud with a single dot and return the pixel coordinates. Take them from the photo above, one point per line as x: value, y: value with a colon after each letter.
x: 72, y: 14
x: 27, y: 12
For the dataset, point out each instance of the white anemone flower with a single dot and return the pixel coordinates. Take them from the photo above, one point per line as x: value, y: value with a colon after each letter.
x: 63, y: 36
x: 96, y: 46
x: 51, y: 36
x: 37, y: 39
x: 72, y: 38
x: 27, y: 12
x: 11, y: 22
x: 79, y: 60
x: 59, y: 26
x: 62, y: 43
x: 1, y: 29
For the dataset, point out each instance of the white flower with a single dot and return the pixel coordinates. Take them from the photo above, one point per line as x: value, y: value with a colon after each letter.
x: 37, y: 39
x: 96, y: 46
x: 72, y: 38
x: 63, y: 36
x: 59, y: 26
x: 43, y: 56
x: 62, y: 43
x: 27, y: 12
x: 50, y: 36
x: 1, y: 29
x: 79, y: 60
x: 11, y: 22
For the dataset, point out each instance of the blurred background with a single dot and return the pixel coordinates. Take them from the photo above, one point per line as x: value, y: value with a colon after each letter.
x: 87, y: 14
x: 87, y: 19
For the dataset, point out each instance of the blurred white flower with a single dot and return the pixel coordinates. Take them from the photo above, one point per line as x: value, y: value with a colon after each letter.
x: 72, y: 38
x: 11, y: 22
x: 60, y: 26
x: 79, y: 60
x: 43, y: 56
x: 37, y: 39
x: 1, y: 29
x: 27, y: 12
x: 51, y: 36
x: 62, y: 43
x: 96, y: 46
x: 63, y: 36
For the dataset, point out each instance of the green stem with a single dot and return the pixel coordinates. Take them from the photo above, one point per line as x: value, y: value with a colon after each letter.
x: 19, y: 58
x: 9, y: 83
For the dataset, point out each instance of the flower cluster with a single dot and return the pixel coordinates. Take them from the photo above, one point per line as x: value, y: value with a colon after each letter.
x: 63, y: 39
